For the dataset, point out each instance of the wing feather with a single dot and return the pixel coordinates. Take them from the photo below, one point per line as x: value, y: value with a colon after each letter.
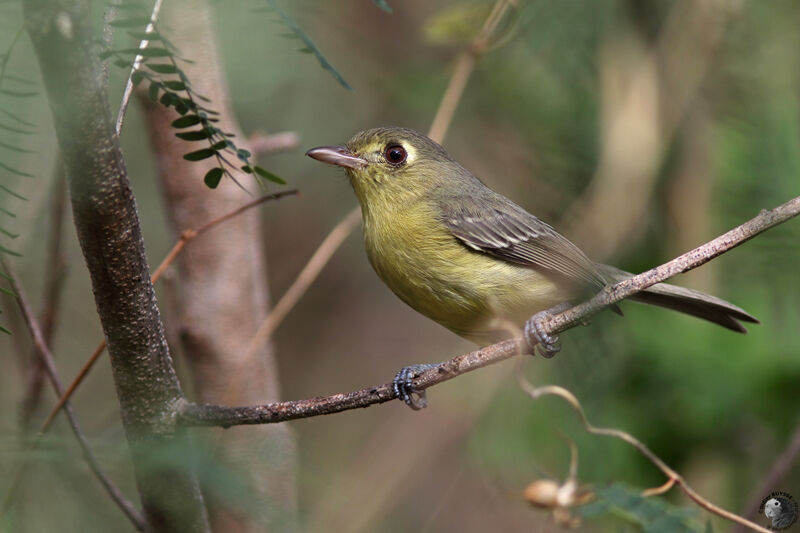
x: 506, y: 231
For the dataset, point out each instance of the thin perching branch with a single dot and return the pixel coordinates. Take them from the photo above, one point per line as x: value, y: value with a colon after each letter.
x: 216, y: 415
x: 113, y: 491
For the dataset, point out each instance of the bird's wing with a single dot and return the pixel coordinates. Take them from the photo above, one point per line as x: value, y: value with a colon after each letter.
x: 506, y: 231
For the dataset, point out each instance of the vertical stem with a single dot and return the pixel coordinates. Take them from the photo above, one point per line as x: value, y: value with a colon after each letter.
x: 107, y: 223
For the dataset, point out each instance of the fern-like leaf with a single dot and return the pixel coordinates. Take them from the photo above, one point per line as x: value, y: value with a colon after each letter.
x: 310, y: 47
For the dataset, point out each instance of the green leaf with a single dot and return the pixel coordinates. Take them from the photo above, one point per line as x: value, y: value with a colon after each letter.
x: 248, y: 169
x: 197, y: 135
x: 175, y: 85
x: 145, y: 35
x: 221, y: 145
x: 18, y: 94
x: 137, y: 77
x: 309, y: 44
x: 105, y: 54
x: 654, y: 515
x: 243, y: 155
x: 5, y: 250
x: 131, y: 22
x: 9, y: 234
x: 12, y: 193
x: 167, y: 99
x: 19, y: 79
x: 199, y: 155
x: 18, y: 119
x: 266, y: 174
x: 4, y: 330
x: 185, y: 122
x: 152, y: 92
x: 213, y: 177
x: 383, y: 4
x: 305, y: 51
x: 15, y: 148
x: 15, y: 130
x: 188, y: 103
x: 15, y: 171
x: 147, y: 52
x: 162, y: 68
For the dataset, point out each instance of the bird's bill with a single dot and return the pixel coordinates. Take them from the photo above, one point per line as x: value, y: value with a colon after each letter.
x: 337, y: 155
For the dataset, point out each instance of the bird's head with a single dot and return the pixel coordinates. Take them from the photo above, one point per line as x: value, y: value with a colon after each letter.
x: 390, y: 164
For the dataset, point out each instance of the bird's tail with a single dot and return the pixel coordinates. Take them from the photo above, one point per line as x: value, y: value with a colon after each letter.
x: 686, y: 301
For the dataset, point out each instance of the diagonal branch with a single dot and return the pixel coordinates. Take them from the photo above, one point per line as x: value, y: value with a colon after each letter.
x: 55, y: 275
x: 193, y: 414
x: 52, y: 373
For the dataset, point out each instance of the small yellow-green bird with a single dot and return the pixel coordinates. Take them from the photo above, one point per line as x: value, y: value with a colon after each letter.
x: 470, y: 258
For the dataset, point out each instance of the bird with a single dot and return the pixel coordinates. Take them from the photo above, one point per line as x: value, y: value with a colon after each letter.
x: 469, y: 258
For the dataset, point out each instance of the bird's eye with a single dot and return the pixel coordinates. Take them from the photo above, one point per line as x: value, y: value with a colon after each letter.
x: 395, y: 154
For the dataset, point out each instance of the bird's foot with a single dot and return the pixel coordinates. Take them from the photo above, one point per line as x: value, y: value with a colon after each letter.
x: 538, y: 339
x: 403, y: 385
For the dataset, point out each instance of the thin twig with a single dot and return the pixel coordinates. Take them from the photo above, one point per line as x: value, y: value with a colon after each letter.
x: 185, y: 237
x: 261, y: 143
x: 50, y: 367
x: 304, y: 280
x: 673, y: 476
x: 465, y: 64
x: 661, y: 489
x: 137, y: 62
x: 53, y: 284
x: 216, y: 415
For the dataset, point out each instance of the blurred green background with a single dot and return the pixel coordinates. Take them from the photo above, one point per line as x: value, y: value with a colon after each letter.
x: 641, y: 129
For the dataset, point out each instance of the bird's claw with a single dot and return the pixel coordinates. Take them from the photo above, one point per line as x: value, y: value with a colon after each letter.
x: 403, y: 386
x: 538, y: 339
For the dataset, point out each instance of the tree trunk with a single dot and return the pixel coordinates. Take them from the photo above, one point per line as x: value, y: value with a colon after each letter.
x: 108, y: 230
x: 222, y: 289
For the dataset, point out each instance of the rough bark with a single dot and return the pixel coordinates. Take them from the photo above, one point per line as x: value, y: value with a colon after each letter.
x: 223, y: 293
x: 108, y: 229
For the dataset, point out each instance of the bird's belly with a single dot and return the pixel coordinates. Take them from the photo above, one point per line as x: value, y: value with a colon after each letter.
x: 477, y: 296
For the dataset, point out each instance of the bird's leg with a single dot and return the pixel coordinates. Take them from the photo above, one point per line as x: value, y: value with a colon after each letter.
x: 403, y: 385
x: 537, y: 338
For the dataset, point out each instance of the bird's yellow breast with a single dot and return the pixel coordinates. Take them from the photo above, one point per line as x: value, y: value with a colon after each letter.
x: 471, y: 293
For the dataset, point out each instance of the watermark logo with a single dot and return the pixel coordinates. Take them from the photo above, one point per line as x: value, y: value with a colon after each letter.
x: 780, y: 509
